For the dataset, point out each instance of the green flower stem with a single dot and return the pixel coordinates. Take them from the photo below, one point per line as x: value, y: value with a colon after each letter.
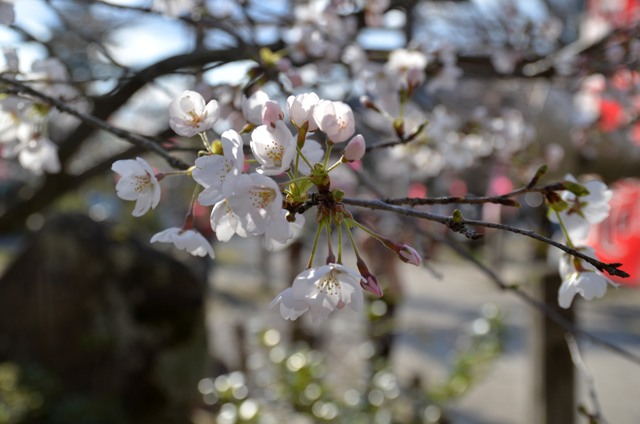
x: 353, y: 243
x: 315, y: 244
x: 339, y: 243
x: 173, y: 173
x: 304, y: 158
x: 335, y: 165
x: 293, y: 181
x: 366, y: 230
x: 327, y: 153
x: 564, y: 230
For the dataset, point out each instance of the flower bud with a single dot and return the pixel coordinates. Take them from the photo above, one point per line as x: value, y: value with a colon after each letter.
x: 368, y: 282
x: 409, y: 255
x: 355, y: 149
x: 271, y: 113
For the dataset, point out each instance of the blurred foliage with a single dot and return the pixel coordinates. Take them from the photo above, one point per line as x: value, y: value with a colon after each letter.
x: 289, y: 384
x: 30, y: 395
x: 478, y: 348
x: 16, y: 400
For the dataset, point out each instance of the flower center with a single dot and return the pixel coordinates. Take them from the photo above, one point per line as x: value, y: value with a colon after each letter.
x: 329, y: 284
x: 342, y: 123
x: 275, y: 152
x: 261, y: 197
x: 141, y: 183
x: 195, y: 118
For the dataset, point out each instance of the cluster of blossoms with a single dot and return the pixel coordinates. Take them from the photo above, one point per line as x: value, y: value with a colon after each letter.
x: 575, y: 210
x: 23, y: 122
x: 610, y: 105
x: 291, y: 176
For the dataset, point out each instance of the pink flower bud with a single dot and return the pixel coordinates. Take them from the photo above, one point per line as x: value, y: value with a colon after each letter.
x: 271, y: 113
x: 371, y: 285
x: 355, y: 148
x: 368, y: 282
x: 409, y: 255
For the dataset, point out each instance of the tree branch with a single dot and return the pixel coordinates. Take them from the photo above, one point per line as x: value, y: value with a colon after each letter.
x: 460, y: 225
x: 134, y: 139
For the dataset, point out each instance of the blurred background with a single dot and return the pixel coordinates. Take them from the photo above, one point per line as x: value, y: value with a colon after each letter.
x: 99, y: 326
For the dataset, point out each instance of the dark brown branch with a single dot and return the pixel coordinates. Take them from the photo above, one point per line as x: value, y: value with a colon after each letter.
x: 460, y: 225
x: 503, y: 199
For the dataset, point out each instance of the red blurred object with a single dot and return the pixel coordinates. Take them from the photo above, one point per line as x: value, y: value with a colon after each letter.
x: 458, y: 188
x: 417, y: 190
x: 611, y: 115
x: 617, y: 238
x: 201, y: 220
x: 618, y: 13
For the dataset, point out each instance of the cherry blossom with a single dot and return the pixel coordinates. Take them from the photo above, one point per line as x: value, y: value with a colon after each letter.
x: 255, y: 199
x: 580, y: 277
x: 335, y: 119
x: 300, y: 110
x: 189, y: 240
x: 225, y: 223
x: 274, y: 148
x: 51, y: 74
x: 189, y: 115
x: 406, y: 67
x: 252, y: 107
x: 38, y: 155
x: 290, y: 307
x: 14, y: 128
x: 138, y: 182
x: 320, y: 291
x: 278, y: 231
x: 584, y: 210
x: 211, y: 171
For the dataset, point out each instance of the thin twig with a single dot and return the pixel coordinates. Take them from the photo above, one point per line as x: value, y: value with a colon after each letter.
x: 460, y: 225
x: 576, y: 358
x: 503, y: 199
x: 491, y: 274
